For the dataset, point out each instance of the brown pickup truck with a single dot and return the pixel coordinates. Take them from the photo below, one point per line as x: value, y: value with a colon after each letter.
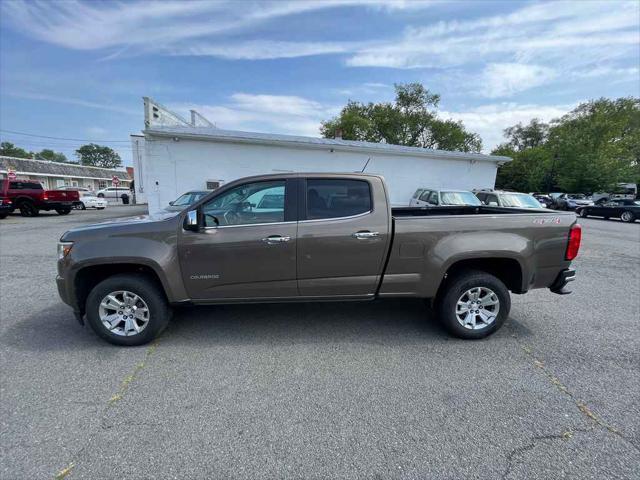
x: 310, y: 237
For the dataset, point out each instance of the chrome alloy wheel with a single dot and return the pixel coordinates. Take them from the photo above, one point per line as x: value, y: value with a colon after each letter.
x: 626, y: 216
x: 477, y: 308
x: 124, y: 313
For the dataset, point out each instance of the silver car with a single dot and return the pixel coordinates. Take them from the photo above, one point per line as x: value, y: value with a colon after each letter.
x: 429, y: 197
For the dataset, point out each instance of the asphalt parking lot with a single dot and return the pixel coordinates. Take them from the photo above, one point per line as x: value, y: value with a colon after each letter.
x: 335, y: 390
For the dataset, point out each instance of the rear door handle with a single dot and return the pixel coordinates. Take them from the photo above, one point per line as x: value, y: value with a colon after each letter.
x: 365, y: 234
x: 273, y: 239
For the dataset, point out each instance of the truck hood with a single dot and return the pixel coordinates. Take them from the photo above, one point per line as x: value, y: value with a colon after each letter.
x: 118, y: 224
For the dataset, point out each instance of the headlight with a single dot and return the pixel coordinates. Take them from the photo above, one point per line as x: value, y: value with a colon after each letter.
x: 64, y: 248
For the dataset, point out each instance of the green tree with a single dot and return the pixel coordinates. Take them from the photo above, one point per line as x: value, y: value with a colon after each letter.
x: 98, y: 156
x: 52, y: 156
x: 592, y: 148
x: 521, y: 137
x: 410, y: 120
x: 8, y: 149
x: 597, y: 145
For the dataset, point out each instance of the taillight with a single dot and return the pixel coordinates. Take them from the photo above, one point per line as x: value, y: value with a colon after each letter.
x: 45, y: 197
x: 575, y: 235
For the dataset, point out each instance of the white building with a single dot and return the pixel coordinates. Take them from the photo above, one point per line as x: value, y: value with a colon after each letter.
x: 174, y: 156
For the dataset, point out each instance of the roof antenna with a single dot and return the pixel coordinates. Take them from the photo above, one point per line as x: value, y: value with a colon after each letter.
x: 365, y: 165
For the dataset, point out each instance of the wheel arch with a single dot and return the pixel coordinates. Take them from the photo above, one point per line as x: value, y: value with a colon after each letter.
x: 86, y: 278
x: 507, y: 269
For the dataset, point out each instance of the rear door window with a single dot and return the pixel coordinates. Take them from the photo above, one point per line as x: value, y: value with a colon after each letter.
x: 335, y: 198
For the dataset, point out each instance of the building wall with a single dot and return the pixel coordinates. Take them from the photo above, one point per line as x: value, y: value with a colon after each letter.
x: 170, y: 168
x: 139, y: 168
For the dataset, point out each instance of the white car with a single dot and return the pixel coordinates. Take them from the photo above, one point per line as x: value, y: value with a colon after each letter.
x: 429, y: 197
x: 113, y: 192
x: 90, y: 200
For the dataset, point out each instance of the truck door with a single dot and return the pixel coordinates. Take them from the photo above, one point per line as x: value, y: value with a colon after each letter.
x: 343, y: 236
x: 247, y: 248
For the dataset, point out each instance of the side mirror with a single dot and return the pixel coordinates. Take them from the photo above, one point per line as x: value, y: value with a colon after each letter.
x: 171, y: 202
x: 191, y: 221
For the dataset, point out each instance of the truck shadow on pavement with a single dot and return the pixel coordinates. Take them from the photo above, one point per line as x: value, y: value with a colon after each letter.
x: 381, y: 322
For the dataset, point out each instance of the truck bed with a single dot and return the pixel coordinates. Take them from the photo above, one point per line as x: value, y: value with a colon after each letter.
x: 427, y: 242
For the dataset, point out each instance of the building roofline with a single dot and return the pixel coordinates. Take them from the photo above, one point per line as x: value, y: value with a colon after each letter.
x: 293, y: 141
x: 71, y: 164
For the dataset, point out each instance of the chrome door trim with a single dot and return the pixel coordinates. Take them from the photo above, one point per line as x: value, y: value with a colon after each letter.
x: 249, y: 225
x: 316, y: 220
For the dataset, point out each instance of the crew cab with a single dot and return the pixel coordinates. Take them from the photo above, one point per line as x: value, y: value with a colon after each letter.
x: 311, y: 237
x: 29, y: 197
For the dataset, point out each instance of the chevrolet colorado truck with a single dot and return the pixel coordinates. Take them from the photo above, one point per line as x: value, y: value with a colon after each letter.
x: 312, y: 237
x: 29, y: 197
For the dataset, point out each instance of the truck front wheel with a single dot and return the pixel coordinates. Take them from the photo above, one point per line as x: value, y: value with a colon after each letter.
x: 27, y: 209
x: 127, y: 309
x: 474, y: 304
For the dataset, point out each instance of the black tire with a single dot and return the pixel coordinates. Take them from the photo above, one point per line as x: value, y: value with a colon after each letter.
x: 148, y: 290
x: 583, y: 213
x: 63, y: 211
x: 101, y: 195
x: 83, y: 206
x: 3, y: 216
x: 459, y: 284
x: 99, y: 208
x: 28, y: 209
x: 628, y: 217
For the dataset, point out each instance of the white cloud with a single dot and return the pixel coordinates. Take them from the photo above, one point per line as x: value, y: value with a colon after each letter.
x: 505, y: 79
x: 157, y: 26
x: 531, y: 42
x: 266, y: 113
x: 73, y: 101
x: 97, y: 132
x: 259, y: 50
x: 489, y: 121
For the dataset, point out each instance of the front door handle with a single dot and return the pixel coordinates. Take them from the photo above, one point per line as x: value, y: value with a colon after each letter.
x: 365, y: 234
x: 273, y: 239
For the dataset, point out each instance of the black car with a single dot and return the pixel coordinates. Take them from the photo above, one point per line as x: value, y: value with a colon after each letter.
x: 544, y: 199
x: 6, y: 207
x: 626, y: 210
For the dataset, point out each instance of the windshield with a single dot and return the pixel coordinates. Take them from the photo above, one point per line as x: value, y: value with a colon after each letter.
x: 519, y: 200
x: 188, y: 199
x: 577, y: 196
x: 459, y: 198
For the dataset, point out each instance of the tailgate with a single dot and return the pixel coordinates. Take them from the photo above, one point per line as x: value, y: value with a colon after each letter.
x: 61, y: 195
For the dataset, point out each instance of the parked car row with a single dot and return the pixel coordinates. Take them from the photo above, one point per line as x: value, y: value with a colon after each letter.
x: 29, y: 197
x: 427, y: 197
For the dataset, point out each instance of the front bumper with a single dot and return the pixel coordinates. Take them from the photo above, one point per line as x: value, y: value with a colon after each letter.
x: 564, y: 277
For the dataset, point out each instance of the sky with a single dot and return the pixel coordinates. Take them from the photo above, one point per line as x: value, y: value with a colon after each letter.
x: 77, y: 71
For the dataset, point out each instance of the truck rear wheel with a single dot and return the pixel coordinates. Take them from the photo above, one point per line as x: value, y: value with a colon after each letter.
x: 127, y: 309
x: 63, y: 211
x: 474, y: 304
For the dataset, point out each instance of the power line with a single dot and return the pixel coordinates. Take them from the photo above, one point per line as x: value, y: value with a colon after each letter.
x: 62, y: 138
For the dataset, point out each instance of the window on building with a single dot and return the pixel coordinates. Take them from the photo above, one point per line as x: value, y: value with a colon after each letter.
x: 334, y: 198
x: 102, y: 184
